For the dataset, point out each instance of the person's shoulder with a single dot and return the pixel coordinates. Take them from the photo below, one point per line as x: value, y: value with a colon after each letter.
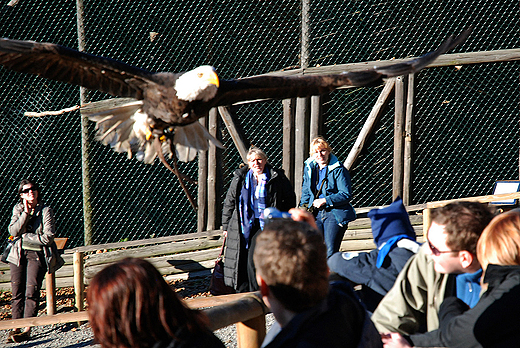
x: 18, y: 207
x: 309, y: 161
x: 334, y: 163
x: 45, y: 208
x: 275, y: 172
x: 241, y: 171
x: 203, y: 339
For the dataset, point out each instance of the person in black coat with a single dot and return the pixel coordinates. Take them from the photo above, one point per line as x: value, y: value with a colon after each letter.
x: 493, y: 322
x: 253, y: 188
x: 310, y: 309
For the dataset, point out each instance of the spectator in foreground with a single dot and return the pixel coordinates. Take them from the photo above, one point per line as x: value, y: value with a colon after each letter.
x: 446, y: 265
x: 31, y: 228
x: 131, y: 306
x: 493, y: 322
x: 377, y: 270
x: 327, y: 191
x: 253, y: 188
x: 293, y: 276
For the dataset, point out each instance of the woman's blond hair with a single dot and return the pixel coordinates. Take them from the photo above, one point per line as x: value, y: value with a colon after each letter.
x: 500, y: 241
x: 319, y: 143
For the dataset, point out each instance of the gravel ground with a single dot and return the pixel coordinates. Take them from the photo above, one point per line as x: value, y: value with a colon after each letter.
x: 71, y: 336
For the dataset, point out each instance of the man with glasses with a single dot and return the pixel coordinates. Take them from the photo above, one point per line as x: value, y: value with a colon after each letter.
x: 446, y: 265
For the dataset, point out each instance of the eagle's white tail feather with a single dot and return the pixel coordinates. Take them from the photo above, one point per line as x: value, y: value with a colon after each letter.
x: 121, y: 124
x: 190, y: 139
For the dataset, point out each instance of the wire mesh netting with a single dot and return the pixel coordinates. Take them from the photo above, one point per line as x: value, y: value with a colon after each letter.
x: 466, y: 123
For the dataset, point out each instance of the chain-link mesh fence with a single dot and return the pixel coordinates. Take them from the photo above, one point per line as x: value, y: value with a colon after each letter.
x: 466, y: 124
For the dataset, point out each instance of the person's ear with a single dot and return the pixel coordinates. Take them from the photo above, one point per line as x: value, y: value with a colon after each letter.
x: 264, y: 288
x: 466, y: 258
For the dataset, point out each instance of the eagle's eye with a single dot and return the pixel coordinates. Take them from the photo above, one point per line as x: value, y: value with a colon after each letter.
x: 199, y: 75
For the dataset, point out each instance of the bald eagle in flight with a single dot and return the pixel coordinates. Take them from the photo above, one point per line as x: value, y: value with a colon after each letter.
x: 157, y: 111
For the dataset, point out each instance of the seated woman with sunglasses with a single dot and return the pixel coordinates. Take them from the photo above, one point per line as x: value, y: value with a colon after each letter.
x: 493, y: 322
x: 31, y: 227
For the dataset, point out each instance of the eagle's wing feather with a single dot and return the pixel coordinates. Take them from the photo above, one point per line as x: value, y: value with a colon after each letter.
x: 190, y: 139
x: 283, y: 87
x: 63, y: 64
x: 121, y: 124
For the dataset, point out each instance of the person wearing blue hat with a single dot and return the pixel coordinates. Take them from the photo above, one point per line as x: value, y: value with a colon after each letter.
x: 378, y: 269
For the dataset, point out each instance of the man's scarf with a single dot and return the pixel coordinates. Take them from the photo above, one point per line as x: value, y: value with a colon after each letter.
x: 248, y: 195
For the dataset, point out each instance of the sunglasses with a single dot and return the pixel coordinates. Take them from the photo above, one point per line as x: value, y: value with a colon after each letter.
x: 29, y: 189
x: 437, y: 252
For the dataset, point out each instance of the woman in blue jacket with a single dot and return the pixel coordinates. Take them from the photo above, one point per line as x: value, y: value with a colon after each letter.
x: 327, y: 192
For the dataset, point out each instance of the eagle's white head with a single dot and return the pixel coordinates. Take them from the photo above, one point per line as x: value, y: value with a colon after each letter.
x: 197, y: 84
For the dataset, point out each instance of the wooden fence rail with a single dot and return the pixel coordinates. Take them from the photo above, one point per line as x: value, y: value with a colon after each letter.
x: 247, y: 310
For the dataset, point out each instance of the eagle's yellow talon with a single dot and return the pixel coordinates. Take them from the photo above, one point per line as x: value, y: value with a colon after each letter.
x: 148, y: 134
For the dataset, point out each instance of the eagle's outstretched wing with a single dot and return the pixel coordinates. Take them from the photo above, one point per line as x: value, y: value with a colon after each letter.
x: 63, y: 64
x: 279, y: 87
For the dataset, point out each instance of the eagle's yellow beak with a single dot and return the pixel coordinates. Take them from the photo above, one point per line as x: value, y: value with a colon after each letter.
x: 212, y: 78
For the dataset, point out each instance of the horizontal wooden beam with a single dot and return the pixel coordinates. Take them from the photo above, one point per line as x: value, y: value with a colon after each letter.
x: 443, y: 60
x: 480, y: 199
x: 231, y: 309
x: 214, y: 234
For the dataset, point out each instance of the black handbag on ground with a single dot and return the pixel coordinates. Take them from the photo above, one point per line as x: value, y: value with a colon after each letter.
x: 217, y: 285
x: 7, y: 249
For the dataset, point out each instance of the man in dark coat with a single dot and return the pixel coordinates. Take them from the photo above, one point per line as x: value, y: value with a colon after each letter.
x: 238, y: 258
x: 310, y: 310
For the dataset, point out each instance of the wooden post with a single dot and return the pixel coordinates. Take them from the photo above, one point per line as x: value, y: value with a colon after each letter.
x: 426, y: 221
x: 408, y: 140
x: 288, y: 138
x: 50, y: 281
x: 202, y: 186
x: 50, y: 293
x: 301, y: 150
x: 212, y: 172
x: 79, y: 285
x: 85, y: 145
x: 238, y: 138
x: 314, y: 124
x: 397, y: 178
x: 301, y: 133
x: 251, y: 333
